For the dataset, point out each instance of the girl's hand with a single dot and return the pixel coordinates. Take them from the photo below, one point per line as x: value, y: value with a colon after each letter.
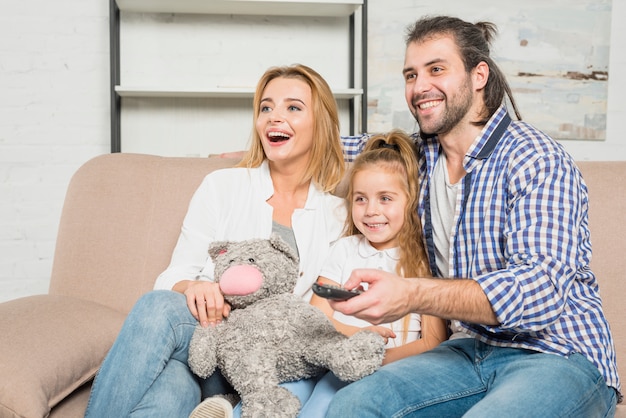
x: 384, y: 332
x: 206, y: 302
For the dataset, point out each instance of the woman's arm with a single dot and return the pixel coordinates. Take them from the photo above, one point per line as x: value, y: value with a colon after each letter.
x: 190, y: 258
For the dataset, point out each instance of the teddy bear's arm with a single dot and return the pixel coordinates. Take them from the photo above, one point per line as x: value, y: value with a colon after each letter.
x: 203, y: 351
x: 349, y: 358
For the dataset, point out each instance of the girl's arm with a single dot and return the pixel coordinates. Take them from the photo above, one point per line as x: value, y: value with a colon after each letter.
x: 345, y: 329
x: 434, y: 331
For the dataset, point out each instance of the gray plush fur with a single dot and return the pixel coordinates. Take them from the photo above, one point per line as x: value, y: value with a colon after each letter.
x: 273, y: 336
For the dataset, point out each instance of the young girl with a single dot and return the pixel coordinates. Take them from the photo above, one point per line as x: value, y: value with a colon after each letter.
x: 383, y: 232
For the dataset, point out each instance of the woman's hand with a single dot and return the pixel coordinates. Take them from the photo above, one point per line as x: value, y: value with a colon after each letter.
x: 206, y: 302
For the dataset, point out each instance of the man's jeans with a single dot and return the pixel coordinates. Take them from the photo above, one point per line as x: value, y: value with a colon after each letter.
x: 145, y: 374
x: 464, y: 377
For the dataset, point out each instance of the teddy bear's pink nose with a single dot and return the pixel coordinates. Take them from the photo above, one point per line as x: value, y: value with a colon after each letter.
x: 241, y: 280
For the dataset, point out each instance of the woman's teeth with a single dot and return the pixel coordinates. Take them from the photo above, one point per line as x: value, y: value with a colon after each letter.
x: 277, y: 136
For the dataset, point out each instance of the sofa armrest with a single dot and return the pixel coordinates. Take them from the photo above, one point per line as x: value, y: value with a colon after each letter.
x: 51, y: 345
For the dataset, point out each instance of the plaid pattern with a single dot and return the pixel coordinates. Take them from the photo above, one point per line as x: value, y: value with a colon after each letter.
x: 352, y: 146
x: 522, y: 233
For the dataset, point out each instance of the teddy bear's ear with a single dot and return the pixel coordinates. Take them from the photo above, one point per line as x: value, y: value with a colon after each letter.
x: 217, y: 248
x: 278, y: 243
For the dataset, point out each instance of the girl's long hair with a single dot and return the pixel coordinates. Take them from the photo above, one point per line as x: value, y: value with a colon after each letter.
x: 395, y: 153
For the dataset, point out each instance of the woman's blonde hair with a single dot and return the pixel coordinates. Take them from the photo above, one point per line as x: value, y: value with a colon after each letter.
x: 326, y: 166
x: 395, y: 152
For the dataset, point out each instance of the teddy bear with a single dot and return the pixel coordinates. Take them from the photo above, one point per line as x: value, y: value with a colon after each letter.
x: 272, y: 335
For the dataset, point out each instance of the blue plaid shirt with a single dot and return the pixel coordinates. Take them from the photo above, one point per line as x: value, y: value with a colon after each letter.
x: 522, y: 233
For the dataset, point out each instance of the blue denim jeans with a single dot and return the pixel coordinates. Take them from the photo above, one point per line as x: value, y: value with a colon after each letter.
x: 467, y: 378
x: 315, y: 394
x: 324, y: 391
x: 145, y: 374
x: 301, y: 388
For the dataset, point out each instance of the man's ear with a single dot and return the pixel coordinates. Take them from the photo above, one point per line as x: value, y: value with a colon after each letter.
x: 480, y: 75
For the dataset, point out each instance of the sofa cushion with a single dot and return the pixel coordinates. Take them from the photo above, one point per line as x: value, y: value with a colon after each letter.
x: 121, y: 219
x: 76, y: 335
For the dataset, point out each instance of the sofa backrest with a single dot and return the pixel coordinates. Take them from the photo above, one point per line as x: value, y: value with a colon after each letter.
x: 123, y: 212
x: 607, y: 220
x: 120, y: 222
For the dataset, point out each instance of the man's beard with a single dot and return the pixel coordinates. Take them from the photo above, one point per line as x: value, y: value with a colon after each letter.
x: 456, y: 109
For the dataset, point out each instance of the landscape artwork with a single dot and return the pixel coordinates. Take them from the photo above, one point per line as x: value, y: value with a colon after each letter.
x: 555, y: 55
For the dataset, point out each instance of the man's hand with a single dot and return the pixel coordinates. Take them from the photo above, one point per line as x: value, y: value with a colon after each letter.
x: 385, y: 300
x: 232, y: 154
x: 389, y: 297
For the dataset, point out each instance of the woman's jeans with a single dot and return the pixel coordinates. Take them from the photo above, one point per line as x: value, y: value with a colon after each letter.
x: 465, y: 377
x: 145, y: 374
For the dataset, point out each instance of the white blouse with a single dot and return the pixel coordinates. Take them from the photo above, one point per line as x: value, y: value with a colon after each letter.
x: 353, y: 252
x: 231, y: 205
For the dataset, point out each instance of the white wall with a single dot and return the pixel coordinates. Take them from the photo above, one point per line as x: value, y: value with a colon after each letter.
x: 387, y: 30
x: 196, y: 51
x: 54, y: 116
x: 614, y: 147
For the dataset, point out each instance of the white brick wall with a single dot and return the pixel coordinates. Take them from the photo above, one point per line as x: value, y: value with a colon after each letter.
x: 54, y: 116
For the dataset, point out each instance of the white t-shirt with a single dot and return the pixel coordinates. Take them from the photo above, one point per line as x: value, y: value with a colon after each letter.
x: 443, y: 202
x: 354, y: 252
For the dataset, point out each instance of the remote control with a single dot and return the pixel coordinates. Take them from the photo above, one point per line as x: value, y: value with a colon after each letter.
x: 328, y: 291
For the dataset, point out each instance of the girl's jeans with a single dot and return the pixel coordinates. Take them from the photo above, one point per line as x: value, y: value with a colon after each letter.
x: 145, y: 374
x: 465, y: 377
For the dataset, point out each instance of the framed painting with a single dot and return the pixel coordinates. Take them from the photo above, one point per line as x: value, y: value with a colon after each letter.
x: 555, y: 55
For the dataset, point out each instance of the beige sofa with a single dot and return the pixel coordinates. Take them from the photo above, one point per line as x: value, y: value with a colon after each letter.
x: 120, y: 221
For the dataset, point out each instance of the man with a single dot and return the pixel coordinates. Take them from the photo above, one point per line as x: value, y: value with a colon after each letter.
x: 505, y: 221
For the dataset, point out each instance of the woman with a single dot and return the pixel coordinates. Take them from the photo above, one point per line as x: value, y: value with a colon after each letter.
x: 283, y: 184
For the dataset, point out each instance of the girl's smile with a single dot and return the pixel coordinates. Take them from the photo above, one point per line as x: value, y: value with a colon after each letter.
x: 378, y: 203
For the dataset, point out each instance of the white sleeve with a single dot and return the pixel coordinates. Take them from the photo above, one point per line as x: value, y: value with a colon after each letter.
x: 334, y: 266
x: 190, y: 257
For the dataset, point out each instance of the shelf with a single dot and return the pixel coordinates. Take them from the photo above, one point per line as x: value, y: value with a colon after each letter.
x: 151, y: 86
x: 244, y: 7
x: 218, y: 92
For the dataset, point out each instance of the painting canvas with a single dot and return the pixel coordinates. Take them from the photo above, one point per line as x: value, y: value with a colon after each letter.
x: 555, y: 55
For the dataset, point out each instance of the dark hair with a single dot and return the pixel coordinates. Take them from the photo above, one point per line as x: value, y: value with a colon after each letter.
x: 473, y: 41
